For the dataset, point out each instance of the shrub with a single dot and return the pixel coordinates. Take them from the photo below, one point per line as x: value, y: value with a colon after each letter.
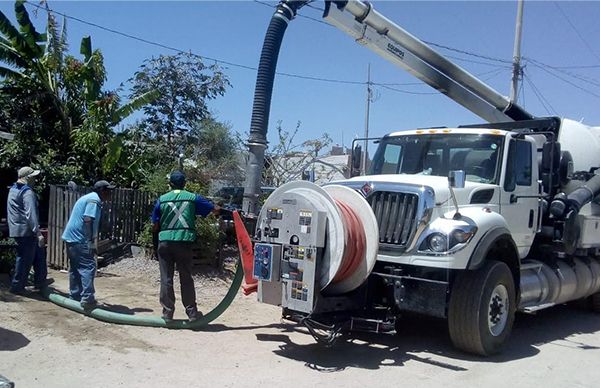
x: 7, y: 255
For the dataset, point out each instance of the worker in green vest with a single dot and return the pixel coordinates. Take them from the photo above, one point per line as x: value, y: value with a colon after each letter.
x: 174, y: 231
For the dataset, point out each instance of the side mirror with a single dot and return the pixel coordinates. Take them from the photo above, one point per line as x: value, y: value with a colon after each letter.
x: 456, y: 179
x: 355, y: 161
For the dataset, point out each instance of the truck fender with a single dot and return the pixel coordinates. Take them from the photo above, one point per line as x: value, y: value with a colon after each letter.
x: 489, y: 240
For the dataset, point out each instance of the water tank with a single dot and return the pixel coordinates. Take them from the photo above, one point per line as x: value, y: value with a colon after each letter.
x: 583, y: 141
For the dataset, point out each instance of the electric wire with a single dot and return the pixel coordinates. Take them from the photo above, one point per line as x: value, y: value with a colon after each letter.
x: 403, y: 91
x: 576, y: 31
x: 178, y: 50
x: 563, y: 71
x: 388, y: 86
x: 567, y: 81
x: 545, y: 103
x: 297, y: 14
x: 468, y: 53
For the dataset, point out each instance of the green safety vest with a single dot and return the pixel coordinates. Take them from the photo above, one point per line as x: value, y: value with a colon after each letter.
x: 177, y: 216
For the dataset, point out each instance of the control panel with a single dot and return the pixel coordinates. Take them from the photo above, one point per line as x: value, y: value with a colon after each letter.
x: 266, y: 261
x: 292, y: 233
x: 298, y: 268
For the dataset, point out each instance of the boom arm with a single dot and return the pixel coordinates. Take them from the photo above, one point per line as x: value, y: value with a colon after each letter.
x: 371, y: 29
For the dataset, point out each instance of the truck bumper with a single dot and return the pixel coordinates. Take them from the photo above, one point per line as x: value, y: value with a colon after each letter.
x: 417, y: 295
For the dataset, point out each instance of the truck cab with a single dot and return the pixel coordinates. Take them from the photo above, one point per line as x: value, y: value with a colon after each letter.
x: 500, y: 179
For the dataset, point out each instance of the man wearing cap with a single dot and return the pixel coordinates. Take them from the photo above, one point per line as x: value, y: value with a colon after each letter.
x: 174, y: 230
x: 23, y: 225
x: 80, y: 236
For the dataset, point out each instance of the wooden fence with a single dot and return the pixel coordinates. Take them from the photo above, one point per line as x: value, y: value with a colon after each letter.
x: 122, y: 218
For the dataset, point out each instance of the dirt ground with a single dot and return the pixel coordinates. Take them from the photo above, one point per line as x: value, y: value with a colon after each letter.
x: 44, y: 345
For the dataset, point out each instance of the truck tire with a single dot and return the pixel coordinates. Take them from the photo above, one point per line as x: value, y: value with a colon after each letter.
x: 595, y: 302
x: 482, y: 309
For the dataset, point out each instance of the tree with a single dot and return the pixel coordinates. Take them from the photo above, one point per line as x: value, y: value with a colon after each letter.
x: 185, y: 84
x: 213, y: 145
x: 55, y: 104
x: 287, y: 160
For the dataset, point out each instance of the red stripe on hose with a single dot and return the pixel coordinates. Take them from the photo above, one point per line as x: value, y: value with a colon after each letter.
x: 355, y: 244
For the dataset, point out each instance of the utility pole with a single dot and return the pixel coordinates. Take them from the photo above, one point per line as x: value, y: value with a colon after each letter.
x: 366, y: 144
x: 517, y: 69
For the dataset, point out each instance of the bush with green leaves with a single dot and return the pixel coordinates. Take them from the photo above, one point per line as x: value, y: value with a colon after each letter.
x: 7, y: 255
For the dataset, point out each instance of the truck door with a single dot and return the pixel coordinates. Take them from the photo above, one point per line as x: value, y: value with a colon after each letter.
x: 518, y: 202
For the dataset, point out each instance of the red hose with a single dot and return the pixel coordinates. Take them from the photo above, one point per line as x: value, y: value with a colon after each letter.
x: 355, y: 244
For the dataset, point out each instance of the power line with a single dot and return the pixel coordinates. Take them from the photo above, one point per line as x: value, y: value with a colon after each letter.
x: 291, y: 75
x: 403, y: 91
x: 477, y: 62
x: 567, y: 81
x: 468, y: 53
x: 576, y: 31
x: 578, y: 67
x: 545, y: 103
x: 175, y: 49
x: 561, y: 70
x: 297, y: 14
x: 204, y: 57
x: 493, y: 74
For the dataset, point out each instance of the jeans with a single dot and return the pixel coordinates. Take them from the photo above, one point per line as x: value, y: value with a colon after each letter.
x: 169, y: 253
x: 28, y: 254
x: 82, y: 270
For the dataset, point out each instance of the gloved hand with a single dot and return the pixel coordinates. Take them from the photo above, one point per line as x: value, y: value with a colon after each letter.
x: 41, y: 241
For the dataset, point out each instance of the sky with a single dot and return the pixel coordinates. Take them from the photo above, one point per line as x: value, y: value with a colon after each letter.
x: 560, y: 47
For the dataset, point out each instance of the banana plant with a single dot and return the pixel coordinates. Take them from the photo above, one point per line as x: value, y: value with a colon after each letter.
x: 26, y: 56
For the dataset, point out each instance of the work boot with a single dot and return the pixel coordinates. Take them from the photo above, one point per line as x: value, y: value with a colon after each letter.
x: 195, y: 316
x: 89, y: 305
x: 44, y: 285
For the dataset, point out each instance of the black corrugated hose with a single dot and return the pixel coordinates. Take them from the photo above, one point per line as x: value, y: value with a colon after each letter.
x: 257, y: 142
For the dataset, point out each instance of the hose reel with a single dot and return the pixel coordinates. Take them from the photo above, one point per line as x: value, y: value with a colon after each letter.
x: 313, y: 241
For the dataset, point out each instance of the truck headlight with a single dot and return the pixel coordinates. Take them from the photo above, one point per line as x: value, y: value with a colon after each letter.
x: 447, y: 241
x: 437, y: 242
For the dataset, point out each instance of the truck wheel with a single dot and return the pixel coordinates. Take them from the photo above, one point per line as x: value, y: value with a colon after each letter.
x: 482, y: 309
x: 595, y: 302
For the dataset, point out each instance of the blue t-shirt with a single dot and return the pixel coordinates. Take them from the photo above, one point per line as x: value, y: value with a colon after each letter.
x: 203, y: 208
x: 87, y: 206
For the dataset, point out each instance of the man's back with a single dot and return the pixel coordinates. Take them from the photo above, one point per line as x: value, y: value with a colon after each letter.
x: 87, y: 206
x: 21, y: 207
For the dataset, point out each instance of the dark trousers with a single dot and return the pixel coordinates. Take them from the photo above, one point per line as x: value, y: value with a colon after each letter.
x: 169, y: 254
x: 28, y: 254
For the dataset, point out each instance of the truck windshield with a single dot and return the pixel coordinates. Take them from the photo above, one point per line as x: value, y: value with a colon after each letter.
x: 437, y: 154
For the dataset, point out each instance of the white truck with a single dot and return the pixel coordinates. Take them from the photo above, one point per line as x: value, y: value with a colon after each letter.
x: 470, y: 224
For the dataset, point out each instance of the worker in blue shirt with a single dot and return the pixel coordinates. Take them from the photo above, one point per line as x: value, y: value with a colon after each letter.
x: 23, y: 226
x: 80, y: 236
x: 174, y: 232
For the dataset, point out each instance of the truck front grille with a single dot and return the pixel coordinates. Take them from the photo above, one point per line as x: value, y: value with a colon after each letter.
x: 396, y: 215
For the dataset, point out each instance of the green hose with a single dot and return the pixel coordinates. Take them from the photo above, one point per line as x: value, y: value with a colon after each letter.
x: 151, y: 321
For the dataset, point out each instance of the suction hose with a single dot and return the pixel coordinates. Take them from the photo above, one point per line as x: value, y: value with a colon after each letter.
x: 151, y: 321
x: 257, y: 141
